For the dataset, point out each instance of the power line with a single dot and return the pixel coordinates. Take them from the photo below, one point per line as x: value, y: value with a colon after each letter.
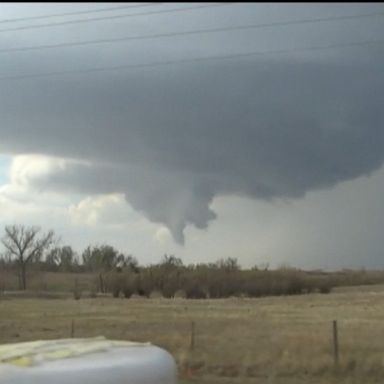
x: 191, y: 60
x: 191, y: 32
x: 75, y: 13
x: 68, y: 22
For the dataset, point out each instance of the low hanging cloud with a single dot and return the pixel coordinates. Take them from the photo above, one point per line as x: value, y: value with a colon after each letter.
x: 172, y: 139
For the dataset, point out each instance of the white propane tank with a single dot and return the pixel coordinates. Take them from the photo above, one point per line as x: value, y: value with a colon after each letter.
x: 79, y: 361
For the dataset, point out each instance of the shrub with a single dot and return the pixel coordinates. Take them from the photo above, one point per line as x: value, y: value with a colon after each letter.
x: 325, y: 288
x: 194, y: 290
x: 76, y: 290
x: 116, y: 291
x: 93, y: 292
x: 156, y: 294
x: 180, y: 294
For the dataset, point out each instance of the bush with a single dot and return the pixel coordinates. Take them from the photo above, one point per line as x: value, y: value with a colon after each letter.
x: 93, y: 292
x: 76, y: 290
x: 128, y: 285
x: 156, y: 294
x: 127, y: 292
x: 114, y: 282
x: 194, y: 290
x: 180, y: 294
x: 116, y: 291
x: 325, y: 288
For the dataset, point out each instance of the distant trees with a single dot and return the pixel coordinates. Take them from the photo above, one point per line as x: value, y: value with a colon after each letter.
x: 108, y: 270
x: 105, y: 258
x: 129, y: 262
x: 101, y: 258
x: 62, y: 259
x: 26, y: 244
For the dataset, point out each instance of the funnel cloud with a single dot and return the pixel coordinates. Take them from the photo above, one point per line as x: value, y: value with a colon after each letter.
x: 174, y: 138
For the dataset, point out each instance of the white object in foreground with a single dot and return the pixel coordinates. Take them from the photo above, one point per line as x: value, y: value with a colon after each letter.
x: 79, y: 361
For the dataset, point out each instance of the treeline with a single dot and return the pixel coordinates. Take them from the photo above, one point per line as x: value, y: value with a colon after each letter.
x: 65, y: 259
x: 119, y: 274
x: 222, y: 279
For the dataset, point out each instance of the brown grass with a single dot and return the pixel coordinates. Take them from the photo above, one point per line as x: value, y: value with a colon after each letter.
x: 48, y: 281
x: 274, y: 340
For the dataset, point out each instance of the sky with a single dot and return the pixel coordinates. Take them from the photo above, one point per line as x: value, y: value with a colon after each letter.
x: 134, y: 126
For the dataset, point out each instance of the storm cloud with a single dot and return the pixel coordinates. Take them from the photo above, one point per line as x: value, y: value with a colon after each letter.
x: 173, y: 138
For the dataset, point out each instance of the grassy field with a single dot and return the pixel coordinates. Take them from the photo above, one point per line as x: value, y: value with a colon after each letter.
x: 266, y: 340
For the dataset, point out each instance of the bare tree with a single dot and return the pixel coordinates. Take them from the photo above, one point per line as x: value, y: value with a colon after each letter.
x: 25, y: 244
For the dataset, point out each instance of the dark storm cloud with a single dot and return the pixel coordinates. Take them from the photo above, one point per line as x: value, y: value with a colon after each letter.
x: 173, y: 138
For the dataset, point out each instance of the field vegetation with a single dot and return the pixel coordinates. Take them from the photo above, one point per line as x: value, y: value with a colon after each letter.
x: 236, y: 340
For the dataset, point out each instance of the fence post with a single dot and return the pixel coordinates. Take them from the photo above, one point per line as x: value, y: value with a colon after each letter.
x: 335, y: 343
x: 192, y: 335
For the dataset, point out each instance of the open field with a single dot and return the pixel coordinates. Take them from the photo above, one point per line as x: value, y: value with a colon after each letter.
x: 266, y: 340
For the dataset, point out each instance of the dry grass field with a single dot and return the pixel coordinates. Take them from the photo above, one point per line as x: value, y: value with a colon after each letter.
x: 266, y: 340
